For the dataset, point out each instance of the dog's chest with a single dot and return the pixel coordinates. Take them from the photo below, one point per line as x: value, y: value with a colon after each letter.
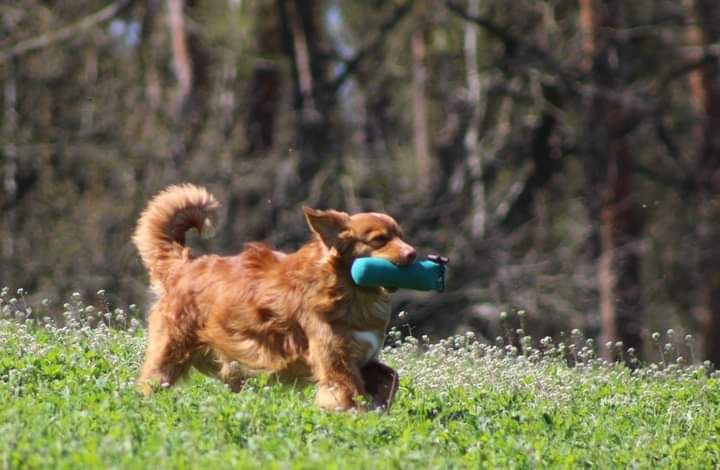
x: 370, y: 342
x: 368, y: 313
x: 368, y: 321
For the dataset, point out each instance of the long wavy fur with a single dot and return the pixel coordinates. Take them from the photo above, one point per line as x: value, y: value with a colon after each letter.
x: 160, y: 233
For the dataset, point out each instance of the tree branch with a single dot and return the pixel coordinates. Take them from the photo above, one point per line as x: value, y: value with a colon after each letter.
x: 514, y: 45
x: 708, y: 57
x: 510, y: 42
x: 385, y: 28
x: 65, y: 33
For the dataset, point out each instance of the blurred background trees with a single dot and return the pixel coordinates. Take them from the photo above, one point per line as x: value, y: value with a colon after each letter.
x: 564, y: 154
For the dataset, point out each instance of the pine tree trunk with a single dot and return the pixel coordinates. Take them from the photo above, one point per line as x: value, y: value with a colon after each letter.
x: 608, y: 171
x: 189, y: 61
x: 265, y: 85
x: 703, y: 32
x: 9, y: 169
x: 472, y: 145
x: 420, y: 106
x: 182, y: 65
x: 313, y: 98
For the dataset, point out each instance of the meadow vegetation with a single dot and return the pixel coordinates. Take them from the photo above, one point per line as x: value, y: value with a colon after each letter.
x: 68, y: 401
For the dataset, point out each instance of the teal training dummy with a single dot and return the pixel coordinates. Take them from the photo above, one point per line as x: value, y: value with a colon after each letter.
x: 428, y: 274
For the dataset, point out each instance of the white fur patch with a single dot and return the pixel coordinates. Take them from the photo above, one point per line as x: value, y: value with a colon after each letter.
x: 371, y: 338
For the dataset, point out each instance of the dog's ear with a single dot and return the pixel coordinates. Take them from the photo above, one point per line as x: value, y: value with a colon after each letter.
x: 328, y: 225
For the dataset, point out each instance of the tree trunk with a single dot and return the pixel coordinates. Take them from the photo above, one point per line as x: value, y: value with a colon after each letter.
x: 704, y: 31
x: 9, y: 170
x: 608, y: 169
x: 472, y: 145
x: 182, y: 65
x: 189, y: 61
x: 265, y: 85
x: 418, y: 46
x: 313, y: 99
x: 546, y: 162
x: 147, y: 52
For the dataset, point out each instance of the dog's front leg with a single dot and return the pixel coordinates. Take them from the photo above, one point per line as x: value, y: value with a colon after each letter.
x: 339, y: 381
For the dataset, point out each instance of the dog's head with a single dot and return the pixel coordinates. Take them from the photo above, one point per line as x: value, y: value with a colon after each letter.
x: 360, y: 235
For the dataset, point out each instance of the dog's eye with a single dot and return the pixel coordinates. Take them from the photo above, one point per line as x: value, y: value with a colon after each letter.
x: 379, y: 240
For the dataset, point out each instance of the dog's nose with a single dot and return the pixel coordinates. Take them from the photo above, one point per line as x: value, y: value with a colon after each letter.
x: 410, y: 256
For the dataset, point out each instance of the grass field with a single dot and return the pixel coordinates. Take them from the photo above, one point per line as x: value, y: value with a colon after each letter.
x: 67, y: 401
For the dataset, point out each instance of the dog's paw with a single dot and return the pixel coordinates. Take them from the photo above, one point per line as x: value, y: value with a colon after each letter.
x: 145, y: 387
x: 337, y: 398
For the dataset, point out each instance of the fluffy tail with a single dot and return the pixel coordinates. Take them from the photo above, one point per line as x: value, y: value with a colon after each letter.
x: 160, y: 233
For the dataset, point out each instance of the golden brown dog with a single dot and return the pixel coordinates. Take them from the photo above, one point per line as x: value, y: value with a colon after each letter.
x: 298, y: 316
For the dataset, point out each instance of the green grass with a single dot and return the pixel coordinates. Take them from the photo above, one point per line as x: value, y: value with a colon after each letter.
x: 67, y: 401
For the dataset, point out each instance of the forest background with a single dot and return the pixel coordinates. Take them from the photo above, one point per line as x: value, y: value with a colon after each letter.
x: 564, y: 154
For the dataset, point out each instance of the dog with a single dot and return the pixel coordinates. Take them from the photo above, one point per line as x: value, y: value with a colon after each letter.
x: 297, y: 316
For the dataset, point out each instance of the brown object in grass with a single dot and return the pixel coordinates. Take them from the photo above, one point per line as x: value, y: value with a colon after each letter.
x: 381, y: 383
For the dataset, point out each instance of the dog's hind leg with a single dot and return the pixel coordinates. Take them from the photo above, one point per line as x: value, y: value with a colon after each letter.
x: 166, y: 360
x: 206, y: 363
x: 232, y: 378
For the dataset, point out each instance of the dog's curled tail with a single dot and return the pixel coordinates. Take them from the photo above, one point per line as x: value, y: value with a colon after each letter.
x: 160, y: 233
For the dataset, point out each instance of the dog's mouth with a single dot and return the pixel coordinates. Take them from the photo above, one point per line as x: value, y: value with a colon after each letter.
x: 402, y: 262
x: 406, y: 259
x: 402, y: 256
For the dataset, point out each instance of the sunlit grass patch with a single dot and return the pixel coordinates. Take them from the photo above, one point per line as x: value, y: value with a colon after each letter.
x: 68, y: 401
